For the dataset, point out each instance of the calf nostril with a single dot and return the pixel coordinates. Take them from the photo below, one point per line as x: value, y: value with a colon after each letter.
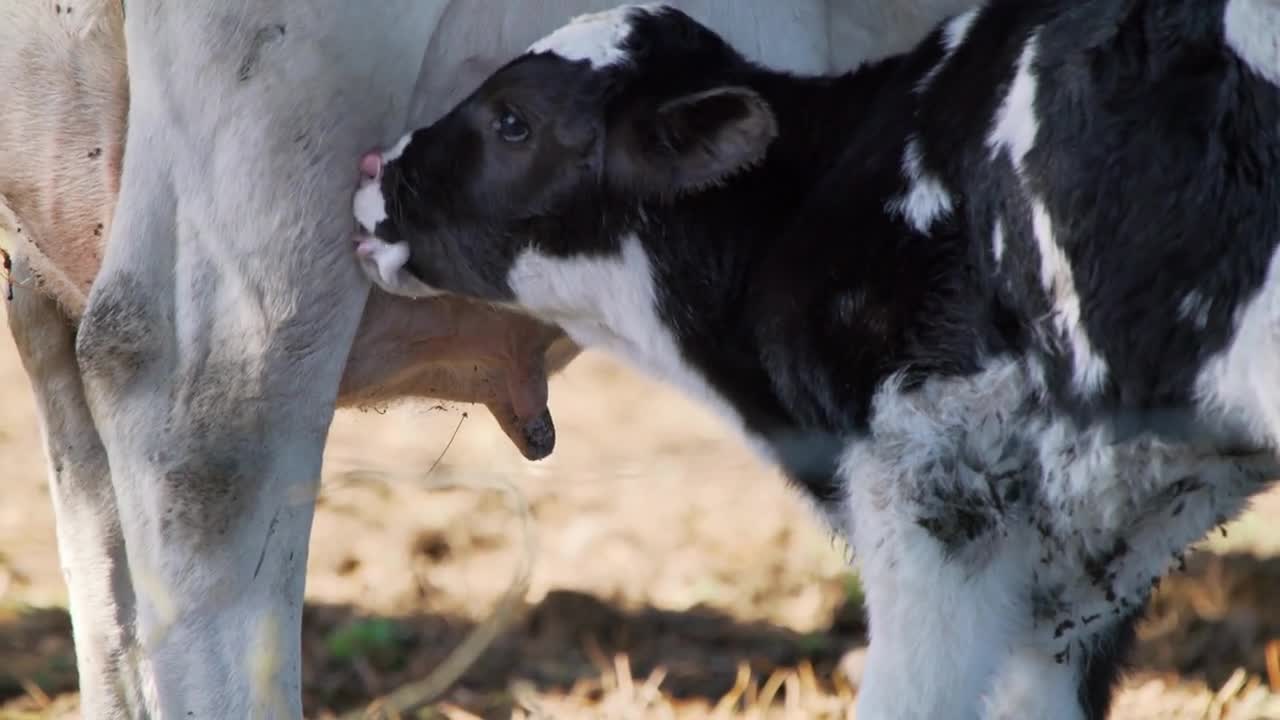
x: 371, y: 165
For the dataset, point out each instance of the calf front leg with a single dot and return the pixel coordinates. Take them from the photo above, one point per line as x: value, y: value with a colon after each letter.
x: 90, y: 544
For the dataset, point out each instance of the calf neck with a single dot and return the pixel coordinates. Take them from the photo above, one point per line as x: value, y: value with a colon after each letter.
x: 1001, y: 305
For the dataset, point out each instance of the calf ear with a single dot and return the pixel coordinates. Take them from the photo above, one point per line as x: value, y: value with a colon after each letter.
x: 692, y: 142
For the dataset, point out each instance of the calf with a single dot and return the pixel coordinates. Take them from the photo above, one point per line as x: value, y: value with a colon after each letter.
x: 1004, y: 306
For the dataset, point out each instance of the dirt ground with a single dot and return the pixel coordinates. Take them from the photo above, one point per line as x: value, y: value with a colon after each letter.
x: 671, y: 575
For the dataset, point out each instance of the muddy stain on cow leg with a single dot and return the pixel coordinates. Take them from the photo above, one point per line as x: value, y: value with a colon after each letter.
x: 114, y: 341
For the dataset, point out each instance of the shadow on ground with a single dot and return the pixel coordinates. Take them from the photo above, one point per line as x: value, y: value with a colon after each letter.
x: 1202, y: 625
x: 350, y: 657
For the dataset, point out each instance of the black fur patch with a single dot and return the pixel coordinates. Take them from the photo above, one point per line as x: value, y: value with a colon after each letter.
x: 1102, y: 663
x: 797, y: 288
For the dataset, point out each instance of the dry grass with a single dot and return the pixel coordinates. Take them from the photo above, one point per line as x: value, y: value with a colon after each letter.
x: 674, y: 577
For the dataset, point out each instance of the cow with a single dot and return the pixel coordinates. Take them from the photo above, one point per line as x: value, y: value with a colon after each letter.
x: 61, y: 149
x: 1003, y: 306
x: 189, y: 316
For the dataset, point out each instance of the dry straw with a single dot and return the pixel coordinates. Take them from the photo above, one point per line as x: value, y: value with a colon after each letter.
x: 409, y: 698
x: 263, y: 665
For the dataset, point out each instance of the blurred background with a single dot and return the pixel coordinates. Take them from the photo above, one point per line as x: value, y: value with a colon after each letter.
x: 671, y: 575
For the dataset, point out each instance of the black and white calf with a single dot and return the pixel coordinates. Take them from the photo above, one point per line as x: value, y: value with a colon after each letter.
x: 1007, y: 307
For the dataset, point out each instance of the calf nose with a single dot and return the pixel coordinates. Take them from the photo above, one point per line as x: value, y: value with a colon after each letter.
x: 370, y: 165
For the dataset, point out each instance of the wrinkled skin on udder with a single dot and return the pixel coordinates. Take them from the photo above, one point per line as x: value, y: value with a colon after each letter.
x: 450, y: 349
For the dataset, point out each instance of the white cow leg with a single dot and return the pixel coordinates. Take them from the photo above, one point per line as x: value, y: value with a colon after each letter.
x: 90, y: 545
x: 216, y: 333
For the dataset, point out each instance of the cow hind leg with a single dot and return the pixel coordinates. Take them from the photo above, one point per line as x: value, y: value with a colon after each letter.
x: 90, y: 544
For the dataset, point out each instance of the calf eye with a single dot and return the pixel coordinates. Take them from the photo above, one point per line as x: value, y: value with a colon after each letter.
x: 510, y: 127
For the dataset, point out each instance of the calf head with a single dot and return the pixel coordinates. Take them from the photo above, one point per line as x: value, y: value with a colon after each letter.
x: 555, y: 158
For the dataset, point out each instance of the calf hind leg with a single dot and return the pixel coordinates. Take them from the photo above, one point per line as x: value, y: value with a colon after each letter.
x: 90, y: 545
x: 1037, y: 682
x: 953, y: 635
x: 939, y: 632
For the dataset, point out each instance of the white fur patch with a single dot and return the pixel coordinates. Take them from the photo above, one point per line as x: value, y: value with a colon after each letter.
x: 1015, y: 131
x: 954, y: 33
x: 385, y: 264
x: 1195, y: 308
x: 1252, y: 29
x: 997, y: 242
x: 397, y: 150
x: 610, y: 303
x: 1089, y: 369
x: 957, y: 29
x: 1238, y: 384
x: 597, y: 38
x: 927, y: 201
x: 369, y: 206
x: 1016, y: 123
